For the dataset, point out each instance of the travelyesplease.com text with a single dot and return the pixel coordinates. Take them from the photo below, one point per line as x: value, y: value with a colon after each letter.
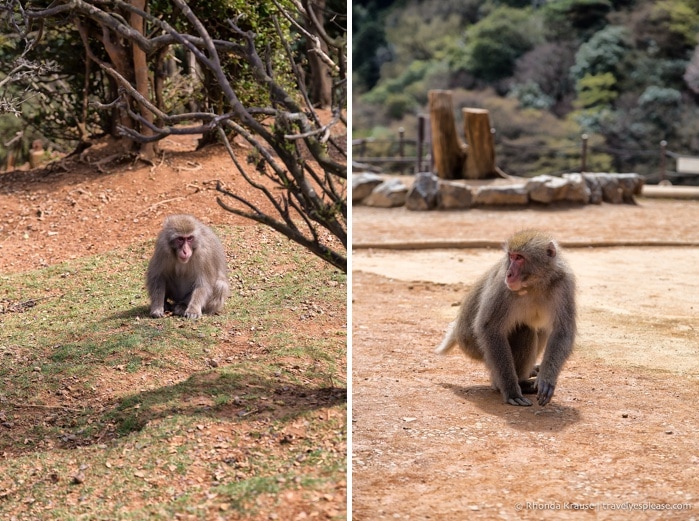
x: 602, y: 506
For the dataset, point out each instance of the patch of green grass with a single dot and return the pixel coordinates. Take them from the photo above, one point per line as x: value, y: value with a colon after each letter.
x: 109, y: 414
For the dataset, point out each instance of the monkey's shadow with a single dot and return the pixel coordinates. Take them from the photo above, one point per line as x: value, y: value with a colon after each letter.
x: 143, y: 311
x: 551, y: 418
x: 136, y: 311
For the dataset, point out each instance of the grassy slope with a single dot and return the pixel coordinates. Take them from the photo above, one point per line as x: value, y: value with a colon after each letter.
x: 108, y: 414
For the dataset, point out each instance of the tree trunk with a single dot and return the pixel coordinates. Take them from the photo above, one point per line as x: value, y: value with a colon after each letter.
x: 448, y: 151
x: 116, y: 51
x: 481, y: 149
x: 140, y: 65
x: 321, y: 81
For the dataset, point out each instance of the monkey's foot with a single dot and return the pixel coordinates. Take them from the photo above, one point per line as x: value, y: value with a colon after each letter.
x: 192, y: 313
x: 528, y: 386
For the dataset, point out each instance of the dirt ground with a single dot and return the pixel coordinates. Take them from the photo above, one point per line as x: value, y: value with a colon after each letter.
x: 79, y: 207
x: 96, y: 203
x: 432, y: 440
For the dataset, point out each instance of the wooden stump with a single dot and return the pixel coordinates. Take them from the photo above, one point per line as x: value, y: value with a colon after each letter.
x: 448, y: 152
x: 480, y: 163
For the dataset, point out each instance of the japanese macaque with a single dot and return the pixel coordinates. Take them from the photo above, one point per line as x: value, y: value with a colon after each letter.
x: 523, y: 307
x: 187, y: 273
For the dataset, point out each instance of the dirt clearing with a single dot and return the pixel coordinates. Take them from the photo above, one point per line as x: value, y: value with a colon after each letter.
x: 432, y: 440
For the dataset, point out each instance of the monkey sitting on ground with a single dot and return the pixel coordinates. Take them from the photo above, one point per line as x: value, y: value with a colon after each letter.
x: 187, y: 273
x: 523, y: 306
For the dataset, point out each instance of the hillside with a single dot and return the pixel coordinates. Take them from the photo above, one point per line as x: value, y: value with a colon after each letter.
x: 624, y: 72
x: 106, y: 413
x: 78, y: 207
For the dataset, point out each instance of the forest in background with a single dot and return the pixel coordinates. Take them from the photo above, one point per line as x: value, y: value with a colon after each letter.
x: 624, y: 72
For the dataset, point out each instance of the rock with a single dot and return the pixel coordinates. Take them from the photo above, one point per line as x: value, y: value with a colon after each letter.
x: 454, y: 196
x: 578, y: 191
x: 423, y: 194
x: 501, y: 195
x: 615, y: 188
x: 363, y: 184
x: 594, y: 186
x: 547, y: 189
x: 388, y: 194
x: 611, y: 191
x: 630, y: 184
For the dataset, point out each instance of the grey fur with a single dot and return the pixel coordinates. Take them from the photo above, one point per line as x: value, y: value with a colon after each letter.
x: 508, y: 329
x: 192, y: 288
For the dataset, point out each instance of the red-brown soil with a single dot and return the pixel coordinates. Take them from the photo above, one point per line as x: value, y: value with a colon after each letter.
x: 78, y: 207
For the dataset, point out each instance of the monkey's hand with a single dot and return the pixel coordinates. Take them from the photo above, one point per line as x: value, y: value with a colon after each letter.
x: 518, y: 400
x: 544, y: 391
x: 157, y: 313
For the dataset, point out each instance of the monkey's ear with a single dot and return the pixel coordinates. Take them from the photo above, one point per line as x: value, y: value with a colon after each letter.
x: 551, y: 249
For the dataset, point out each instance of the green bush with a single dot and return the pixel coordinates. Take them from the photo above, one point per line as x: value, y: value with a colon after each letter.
x: 602, y: 53
x: 494, y: 43
x: 398, y: 104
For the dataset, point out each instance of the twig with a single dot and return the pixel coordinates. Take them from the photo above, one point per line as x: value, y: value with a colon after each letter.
x: 155, y: 167
x: 49, y: 407
x: 105, y: 160
x: 195, y: 166
x: 19, y: 307
x: 325, y: 130
x: 159, y: 203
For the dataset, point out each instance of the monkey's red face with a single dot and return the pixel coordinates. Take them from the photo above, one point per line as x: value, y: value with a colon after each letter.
x: 515, y: 272
x: 183, y: 247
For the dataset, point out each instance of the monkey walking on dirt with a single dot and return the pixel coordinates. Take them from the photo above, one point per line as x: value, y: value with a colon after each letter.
x: 522, y: 307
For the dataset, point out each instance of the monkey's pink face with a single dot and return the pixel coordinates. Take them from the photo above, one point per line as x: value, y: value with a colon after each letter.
x: 183, y: 246
x: 514, y: 278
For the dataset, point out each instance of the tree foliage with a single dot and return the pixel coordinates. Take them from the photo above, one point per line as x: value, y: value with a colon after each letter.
x: 626, y: 69
x: 691, y: 75
x: 595, y: 90
x: 601, y: 54
x: 494, y: 44
x: 369, y: 47
x: 567, y: 16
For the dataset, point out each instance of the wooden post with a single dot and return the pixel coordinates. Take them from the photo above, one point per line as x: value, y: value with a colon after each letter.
x: 401, y: 147
x: 448, y: 151
x: 428, y: 138
x: 420, y: 142
x: 480, y: 162
x: 663, y: 155
x: 583, y: 154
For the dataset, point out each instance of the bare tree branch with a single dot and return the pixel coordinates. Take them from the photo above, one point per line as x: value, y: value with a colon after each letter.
x: 303, y: 184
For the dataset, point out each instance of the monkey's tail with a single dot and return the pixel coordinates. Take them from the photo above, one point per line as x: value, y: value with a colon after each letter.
x: 449, y: 341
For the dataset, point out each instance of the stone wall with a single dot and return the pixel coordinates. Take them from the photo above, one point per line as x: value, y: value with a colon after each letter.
x: 428, y: 192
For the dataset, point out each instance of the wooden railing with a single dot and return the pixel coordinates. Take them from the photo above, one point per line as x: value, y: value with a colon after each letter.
x: 412, y: 155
